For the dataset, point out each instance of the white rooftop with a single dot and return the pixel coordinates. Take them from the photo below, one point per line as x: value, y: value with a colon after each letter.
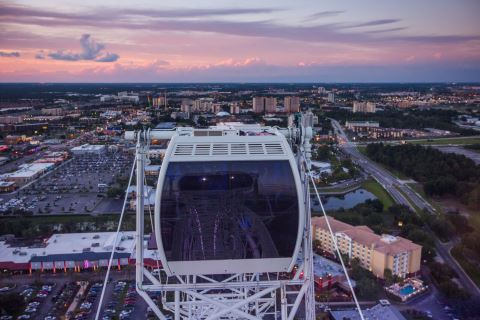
x: 88, y: 147
x: 388, y: 238
x: 153, y: 167
x: 67, y: 243
x: 30, y: 170
x: 377, y: 312
x: 146, y: 189
x: 320, y: 164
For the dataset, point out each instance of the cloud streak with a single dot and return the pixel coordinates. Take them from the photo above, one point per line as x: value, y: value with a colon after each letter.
x: 323, y: 14
x: 373, y: 23
x: 172, y: 20
x: 17, y: 11
x: 91, y: 50
x: 13, y: 54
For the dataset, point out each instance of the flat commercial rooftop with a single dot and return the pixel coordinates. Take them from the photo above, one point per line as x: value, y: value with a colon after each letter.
x: 379, y: 311
x: 30, y: 170
x: 88, y: 148
x: 68, y: 244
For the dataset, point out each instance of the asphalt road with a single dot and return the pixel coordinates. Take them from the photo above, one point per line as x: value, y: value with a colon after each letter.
x: 429, y: 302
x: 394, y: 187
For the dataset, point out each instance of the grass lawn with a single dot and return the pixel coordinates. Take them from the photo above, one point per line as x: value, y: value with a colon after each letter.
x: 419, y: 189
x: 459, y: 140
x: 379, y: 192
x: 471, y: 269
x: 417, y: 209
x: 362, y: 150
x: 474, y: 220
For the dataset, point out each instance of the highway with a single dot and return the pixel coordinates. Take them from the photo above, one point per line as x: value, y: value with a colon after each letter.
x: 394, y: 187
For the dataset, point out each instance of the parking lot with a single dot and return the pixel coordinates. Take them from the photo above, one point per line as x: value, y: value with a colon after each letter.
x: 61, y: 297
x: 75, y: 187
x: 31, y: 298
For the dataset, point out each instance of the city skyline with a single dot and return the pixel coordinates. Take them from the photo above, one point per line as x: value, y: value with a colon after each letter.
x: 292, y: 41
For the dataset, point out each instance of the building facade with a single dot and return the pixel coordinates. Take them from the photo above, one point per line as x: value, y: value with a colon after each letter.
x: 376, y: 253
x: 367, y: 107
x: 331, y: 97
x: 11, y: 119
x: 291, y: 104
x: 359, y: 125
x: 264, y: 104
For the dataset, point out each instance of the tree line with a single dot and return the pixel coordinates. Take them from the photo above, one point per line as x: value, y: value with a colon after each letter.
x: 440, y: 173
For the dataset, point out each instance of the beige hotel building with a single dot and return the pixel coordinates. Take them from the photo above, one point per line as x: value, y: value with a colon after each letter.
x: 376, y: 253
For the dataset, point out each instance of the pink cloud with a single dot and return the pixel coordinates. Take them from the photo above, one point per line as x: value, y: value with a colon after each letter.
x: 236, y: 63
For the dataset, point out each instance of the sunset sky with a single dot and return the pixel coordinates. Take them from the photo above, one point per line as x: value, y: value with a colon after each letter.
x: 239, y: 41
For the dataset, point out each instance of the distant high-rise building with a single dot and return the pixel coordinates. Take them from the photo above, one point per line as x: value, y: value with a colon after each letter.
x: 369, y: 107
x: 11, y: 119
x: 186, y: 108
x: 234, y: 108
x: 321, y: 90
x: 258, y: 104
x: 215, y: 108
x: 264, y: 104
x: 159, y: 102
x: 203, y: 105
x: 331, y: 97
x: 52, y: 111
x: 291, y: 104
x: 270, y: 105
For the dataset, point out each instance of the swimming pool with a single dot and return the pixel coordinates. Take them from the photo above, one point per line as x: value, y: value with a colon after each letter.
x: 408, y: 289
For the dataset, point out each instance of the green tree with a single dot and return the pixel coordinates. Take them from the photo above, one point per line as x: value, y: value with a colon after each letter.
x: 388, y: 277
x: 356, y: 270
x: 367, y: 288
x: 317, y: 245
x: 451, y: 290
x: 11, y: 303
x: 113, y: 192
x: 202, y: 121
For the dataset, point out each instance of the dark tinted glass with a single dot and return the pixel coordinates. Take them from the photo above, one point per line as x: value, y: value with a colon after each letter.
x: 229, y: 210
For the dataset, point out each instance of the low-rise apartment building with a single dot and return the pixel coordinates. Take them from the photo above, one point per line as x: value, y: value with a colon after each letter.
x: 375, y: 252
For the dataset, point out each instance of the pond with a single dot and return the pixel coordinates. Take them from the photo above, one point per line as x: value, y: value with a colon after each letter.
x: 347, y: 201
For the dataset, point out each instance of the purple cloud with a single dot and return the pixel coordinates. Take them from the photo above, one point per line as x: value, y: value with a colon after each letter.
x: 108, y: 57
x: 172, y: 20
x: 16, y: 11
x: 194, y: 13
x: 91, y: 50
x: 374, y: 23
x: 40, y: 55
x: 323, y: 14
x: 13, y: 54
